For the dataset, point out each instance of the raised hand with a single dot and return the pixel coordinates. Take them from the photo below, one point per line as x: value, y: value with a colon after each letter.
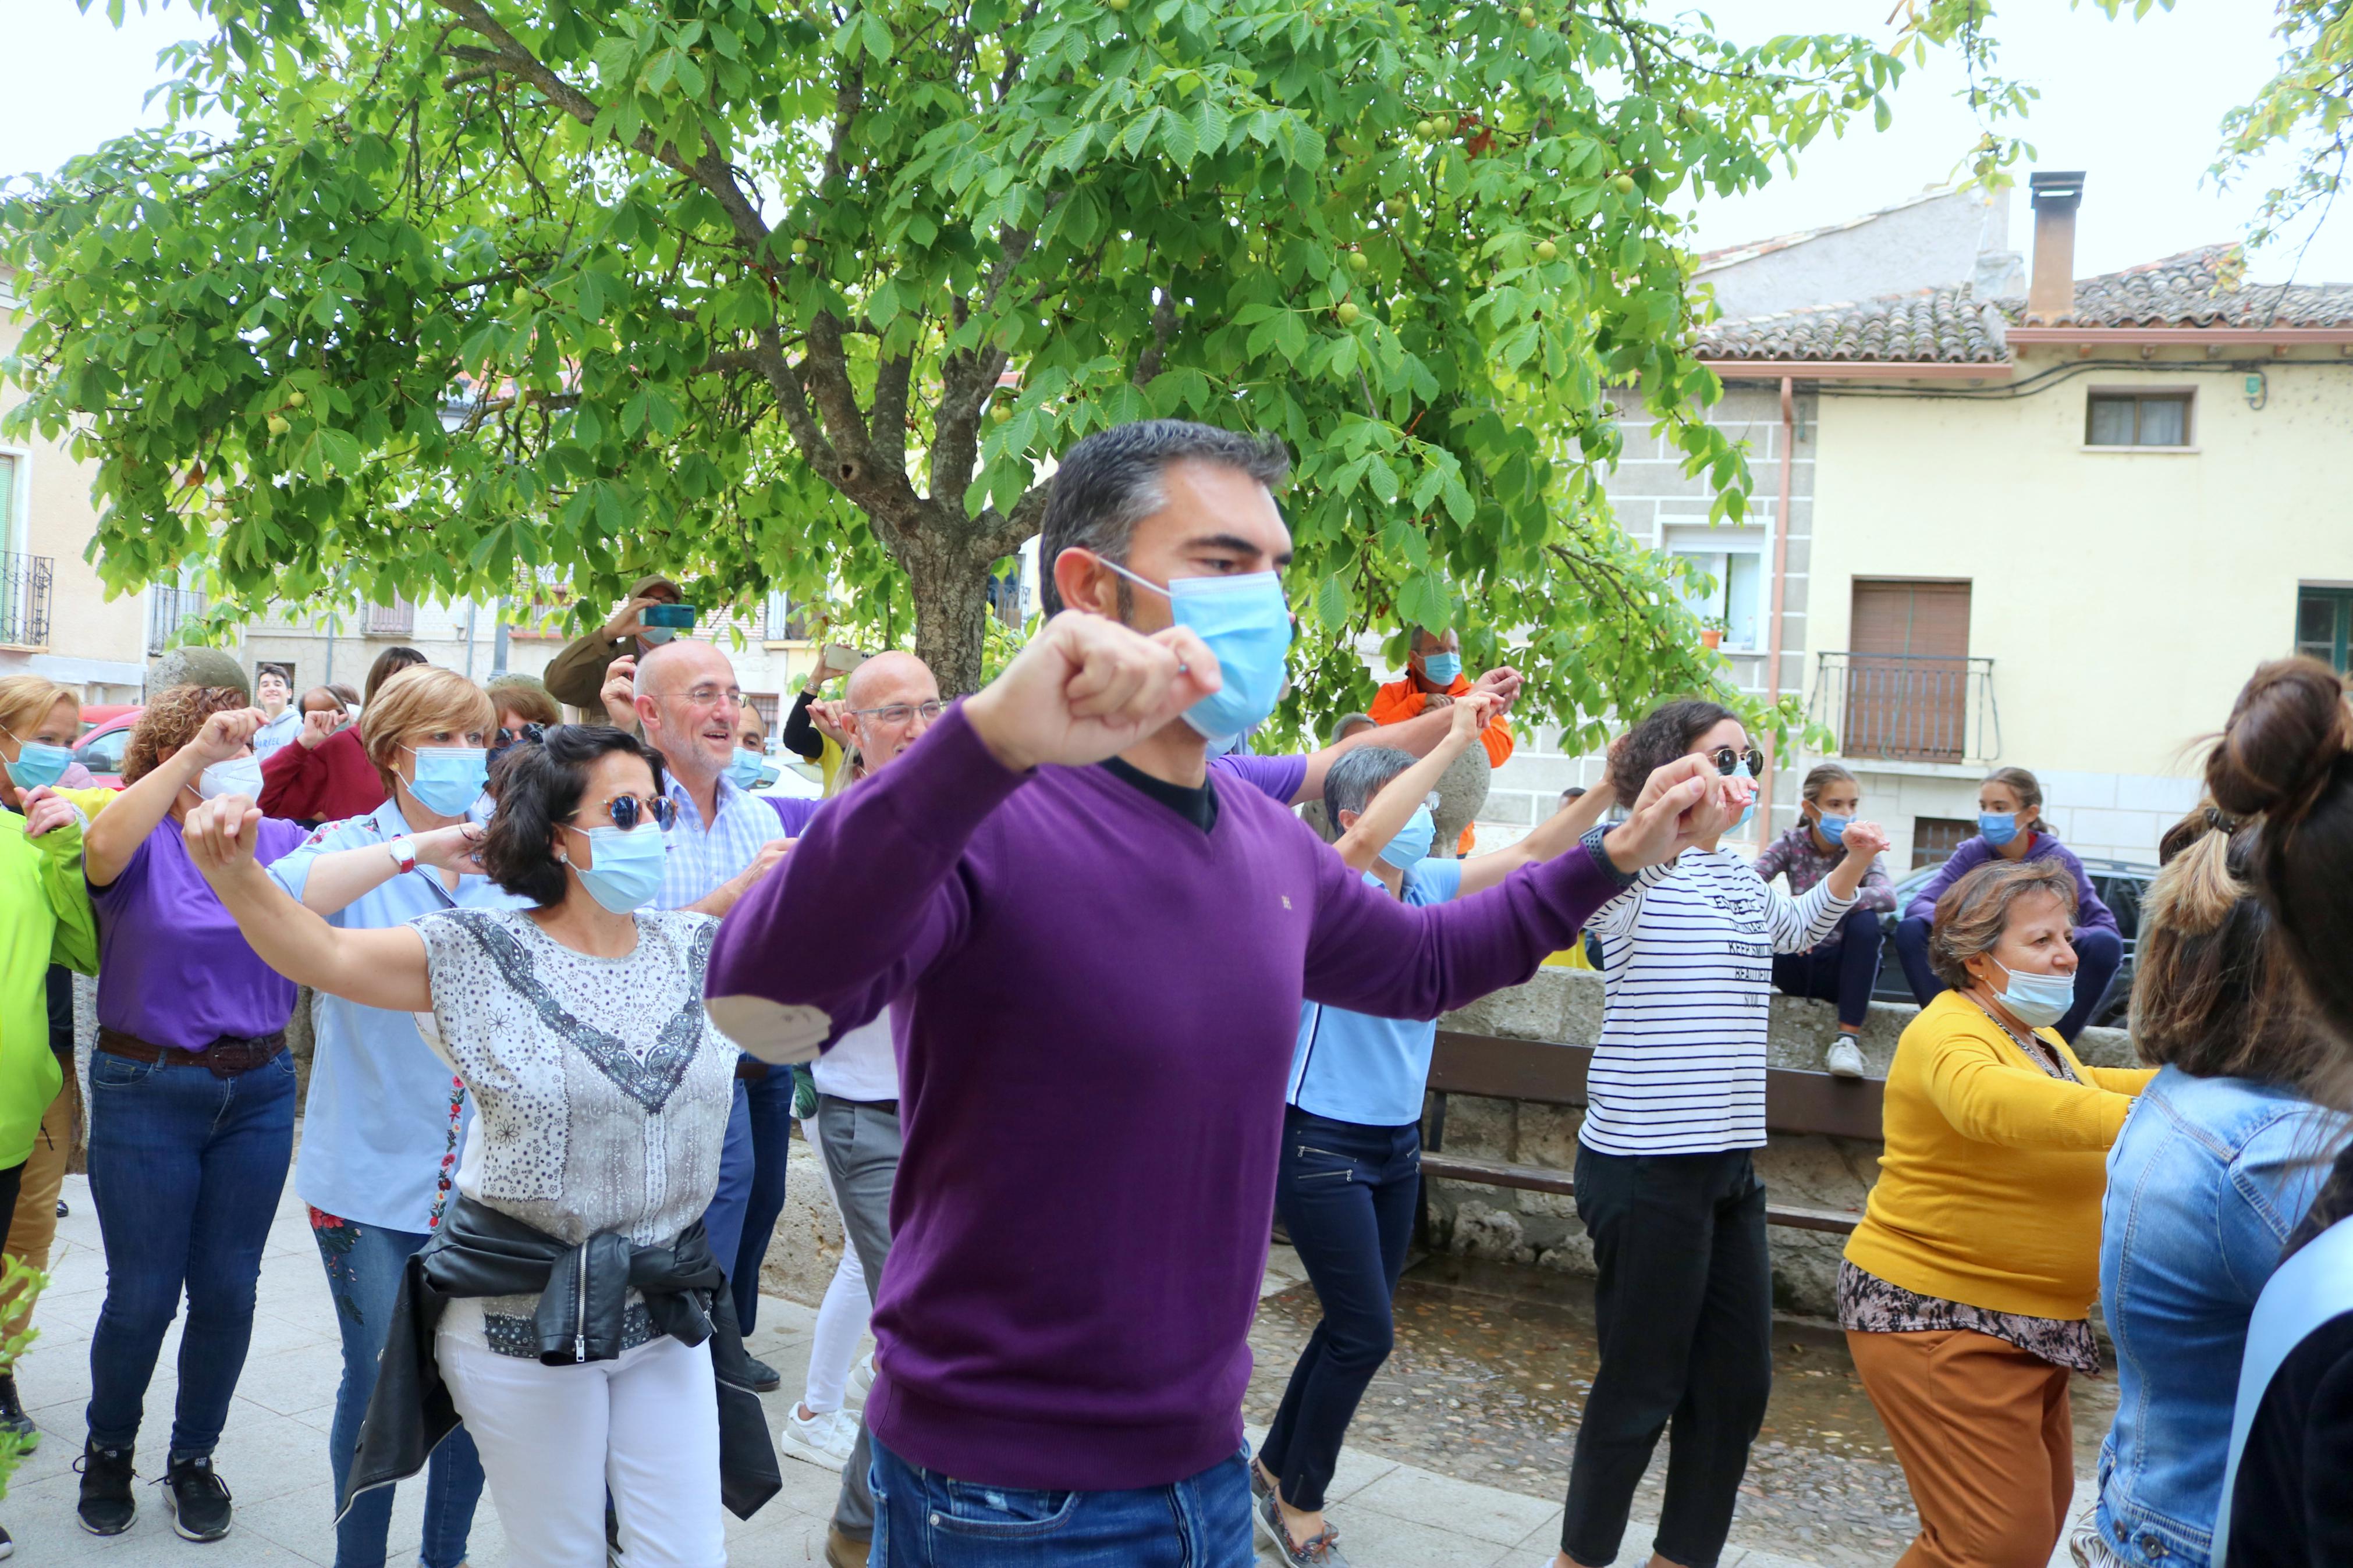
x: 457, y: 848
x: 1503, y: 683
x: 1470, y: 715
x: 1087, y: 689
x: 220, y: 833
x: 226, y: 734
x: 1865, y: 841
x: 619, y: 693
x: 318, y: 725
x: 625, y: 622
x: 831, y: 719
x: 1684, y: 802
x: 46, y: 811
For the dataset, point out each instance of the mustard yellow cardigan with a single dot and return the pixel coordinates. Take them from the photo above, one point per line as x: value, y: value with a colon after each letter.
x: 1990, y: 1186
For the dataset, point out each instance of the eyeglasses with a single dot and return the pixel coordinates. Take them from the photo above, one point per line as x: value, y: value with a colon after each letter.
x: 1727, y: 761
x: 627, y: 810
x: 901, y: 712
x: 534, y: 733
x: 704, y: 696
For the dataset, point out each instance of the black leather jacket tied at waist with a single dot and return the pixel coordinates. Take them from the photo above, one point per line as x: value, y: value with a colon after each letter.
x: 582, y: 1291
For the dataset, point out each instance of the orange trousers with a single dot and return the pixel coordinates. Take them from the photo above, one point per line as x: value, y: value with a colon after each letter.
x: 1986, y: 1441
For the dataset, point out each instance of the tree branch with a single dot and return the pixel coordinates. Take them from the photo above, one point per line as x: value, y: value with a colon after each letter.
x: 1164, y: 327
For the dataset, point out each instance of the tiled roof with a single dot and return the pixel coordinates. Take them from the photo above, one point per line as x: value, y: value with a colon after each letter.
x: 1953, y: 326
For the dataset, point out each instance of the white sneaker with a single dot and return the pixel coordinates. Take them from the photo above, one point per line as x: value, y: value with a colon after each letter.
x: 1845, y: 1059
x: 861, y: 1376
x: 824, y: 1439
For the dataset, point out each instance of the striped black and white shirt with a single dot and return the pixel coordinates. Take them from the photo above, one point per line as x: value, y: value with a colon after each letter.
x: 1680, y: 1068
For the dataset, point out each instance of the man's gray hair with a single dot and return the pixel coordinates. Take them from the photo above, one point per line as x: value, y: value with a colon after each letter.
x: 1358, y: 774
x: 1112, y: 480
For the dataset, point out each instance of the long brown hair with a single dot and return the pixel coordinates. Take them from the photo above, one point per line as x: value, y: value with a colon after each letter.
x: 2287, y: 753
x: 2212, y: 993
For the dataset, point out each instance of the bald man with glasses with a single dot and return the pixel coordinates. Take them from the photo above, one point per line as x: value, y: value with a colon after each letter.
x: 722, y: 840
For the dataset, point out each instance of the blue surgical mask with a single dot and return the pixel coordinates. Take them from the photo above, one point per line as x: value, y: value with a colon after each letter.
x: 2037, y: 1001
x: 656, y: 636
x: 1998, y: 828
x: 238, y: 775
x: 744, y: 768
x: 628, y: 869
x: 1413, y: 840
x: 1835, y: 828
x: 38, y: 763
x: 1246, y: 621
x: 1444, y: 668
x: 1748, y: 811
x: 448, y: 778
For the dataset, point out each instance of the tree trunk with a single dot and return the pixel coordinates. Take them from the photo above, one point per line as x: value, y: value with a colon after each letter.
x: 950, y: 585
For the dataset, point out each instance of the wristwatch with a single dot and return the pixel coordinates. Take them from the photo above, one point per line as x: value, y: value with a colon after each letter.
x: 404, y: 852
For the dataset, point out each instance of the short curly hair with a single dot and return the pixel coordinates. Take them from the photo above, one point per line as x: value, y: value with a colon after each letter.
x: 1973, y: 912
x: 1666, y: 733
x: 171, y: 720
x: 538, y: 785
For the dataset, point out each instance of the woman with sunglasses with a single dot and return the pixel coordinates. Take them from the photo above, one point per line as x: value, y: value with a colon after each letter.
x: 1664, y: 1181
x: 1349, y: 1177
x: 385, y: 1120
x: 567, y: 1306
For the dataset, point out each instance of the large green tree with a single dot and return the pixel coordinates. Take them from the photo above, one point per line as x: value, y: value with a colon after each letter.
x: 773, y: 292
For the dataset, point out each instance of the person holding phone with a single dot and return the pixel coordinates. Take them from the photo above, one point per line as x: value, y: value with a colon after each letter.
x: 578, y: 675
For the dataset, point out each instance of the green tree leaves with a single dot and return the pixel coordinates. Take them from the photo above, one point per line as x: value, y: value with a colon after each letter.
x: 775, y: 297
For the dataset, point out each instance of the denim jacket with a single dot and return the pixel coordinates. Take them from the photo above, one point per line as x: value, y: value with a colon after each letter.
x: 2204, y: 1185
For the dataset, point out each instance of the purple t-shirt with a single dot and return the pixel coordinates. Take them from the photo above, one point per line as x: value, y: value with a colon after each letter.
x: 1277, y: 778
x: 174, y: 970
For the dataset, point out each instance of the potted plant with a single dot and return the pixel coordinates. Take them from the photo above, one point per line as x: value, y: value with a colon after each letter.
x: 1711, y: 632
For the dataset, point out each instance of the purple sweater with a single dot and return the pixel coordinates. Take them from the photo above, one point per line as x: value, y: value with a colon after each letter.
x: 1975, y: 852
x: 1096, y: 1005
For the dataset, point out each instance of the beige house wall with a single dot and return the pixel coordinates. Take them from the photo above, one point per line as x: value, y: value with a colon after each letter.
x: 2123, y: 594
x: 94, y: 644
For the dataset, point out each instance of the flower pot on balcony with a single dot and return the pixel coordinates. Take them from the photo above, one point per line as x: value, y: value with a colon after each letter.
x: 1710, y: 639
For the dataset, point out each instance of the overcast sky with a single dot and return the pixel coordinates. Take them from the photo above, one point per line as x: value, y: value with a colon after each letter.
x: 2135, y: 104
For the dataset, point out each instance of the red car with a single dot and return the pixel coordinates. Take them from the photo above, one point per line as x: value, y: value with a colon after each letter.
x: 101, y: 746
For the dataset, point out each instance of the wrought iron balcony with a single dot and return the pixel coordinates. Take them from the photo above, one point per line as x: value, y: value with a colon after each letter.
x: 24, y: 600
x: 169, y: 609
x: 1914, y: 707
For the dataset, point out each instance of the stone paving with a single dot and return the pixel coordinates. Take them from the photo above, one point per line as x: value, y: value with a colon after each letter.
x: 1395, y: 1512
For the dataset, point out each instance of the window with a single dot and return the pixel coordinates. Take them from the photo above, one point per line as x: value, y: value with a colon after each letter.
x: 1734, y: 561
x: 1933, y: 838
x: 1908, y: 670
x: 764, y: 703
x: 397, y: 619
x: 2324, y: 624
x: 783, y: 618
x: 2136, y: 419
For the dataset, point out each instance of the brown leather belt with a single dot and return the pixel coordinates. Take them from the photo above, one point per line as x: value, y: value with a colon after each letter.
x: 225, y: 1057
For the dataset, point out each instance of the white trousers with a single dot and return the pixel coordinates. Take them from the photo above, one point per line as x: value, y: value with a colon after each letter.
x: 553, y: 1438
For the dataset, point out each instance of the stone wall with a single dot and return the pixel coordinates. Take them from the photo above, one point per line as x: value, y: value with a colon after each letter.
x: 1804, y: 1171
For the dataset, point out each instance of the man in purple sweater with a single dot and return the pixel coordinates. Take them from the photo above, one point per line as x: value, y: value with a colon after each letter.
x: 1095, y: 952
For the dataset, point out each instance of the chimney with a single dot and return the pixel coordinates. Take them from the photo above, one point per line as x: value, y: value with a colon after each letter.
x: 2051, y: 294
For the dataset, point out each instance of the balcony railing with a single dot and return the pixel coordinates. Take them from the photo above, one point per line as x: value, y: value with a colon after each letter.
x: 24, y: 599
x: 397, y: 619
x: 169, y: 609
x: 1917, y: 708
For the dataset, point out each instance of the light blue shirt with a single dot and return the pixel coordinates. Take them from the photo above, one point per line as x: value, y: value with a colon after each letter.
x: 1351, y: 1067
x: 384, y: 1113
x: 701, y: 859
x: 276, y: 732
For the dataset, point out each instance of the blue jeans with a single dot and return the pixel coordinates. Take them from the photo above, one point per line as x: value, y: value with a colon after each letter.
x: 1347, y: 1194
x: 186, y: 1170
x: 771, y: 1122
x: 723, y: 1222
x: 2099, y: 954
x: 923, y: 1520
x: 363, y: 1265
x: 1841, y: 968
